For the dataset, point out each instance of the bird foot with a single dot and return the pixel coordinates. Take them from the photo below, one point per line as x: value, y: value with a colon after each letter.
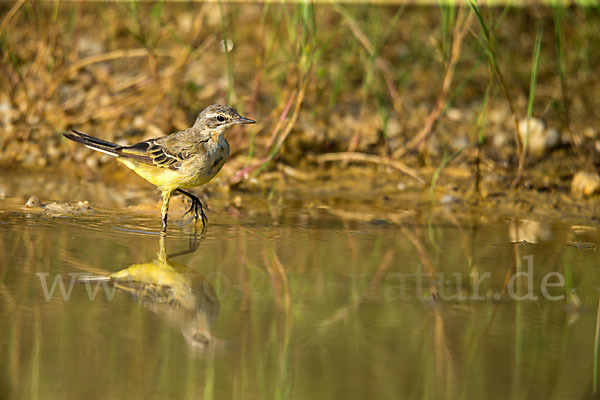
x: 198, y: 212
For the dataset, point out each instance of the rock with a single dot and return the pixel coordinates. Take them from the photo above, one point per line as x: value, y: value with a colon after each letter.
x: 541, y: 140
x: 59, y: 209
x: 454, y: 114
x: 590, y: 133
x: 33, y: 201
x: 537, y: 142
x: 55, y: 208
x: 553, y: 138
x: 84, y: 205
x: 585, y: 183
x: 394, y: 127
x: 449, y: 199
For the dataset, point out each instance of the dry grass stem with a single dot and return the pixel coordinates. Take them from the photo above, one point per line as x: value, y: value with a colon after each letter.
x: 10, y: 14
x: 461, y: 28
x: 371, y: 158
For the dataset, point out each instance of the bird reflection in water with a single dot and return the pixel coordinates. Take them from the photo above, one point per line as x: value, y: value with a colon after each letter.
x: 172, y: 290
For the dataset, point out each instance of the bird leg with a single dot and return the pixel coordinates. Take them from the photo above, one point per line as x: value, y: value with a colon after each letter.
x: 166, y: 196
x: 195, y: 208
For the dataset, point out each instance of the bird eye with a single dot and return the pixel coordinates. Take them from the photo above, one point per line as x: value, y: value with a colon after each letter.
x: 221, y: 118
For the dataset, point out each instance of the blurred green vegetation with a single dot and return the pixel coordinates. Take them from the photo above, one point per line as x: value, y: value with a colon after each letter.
x: 405, y: 82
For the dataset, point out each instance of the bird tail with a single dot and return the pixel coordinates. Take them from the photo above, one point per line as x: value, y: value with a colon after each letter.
x: 93, y: 143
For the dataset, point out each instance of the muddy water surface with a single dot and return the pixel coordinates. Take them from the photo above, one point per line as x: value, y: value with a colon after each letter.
x: 288, y: 303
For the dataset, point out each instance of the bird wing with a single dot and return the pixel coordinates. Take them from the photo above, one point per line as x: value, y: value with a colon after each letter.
x: 166, y: 152
x: 160, y: 153
x: 153, y: 153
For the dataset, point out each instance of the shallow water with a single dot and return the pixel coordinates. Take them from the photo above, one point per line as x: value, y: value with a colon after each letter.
x: 291, y: 304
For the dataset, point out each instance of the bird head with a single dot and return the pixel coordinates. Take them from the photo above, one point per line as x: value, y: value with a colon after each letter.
x: 218, y: 118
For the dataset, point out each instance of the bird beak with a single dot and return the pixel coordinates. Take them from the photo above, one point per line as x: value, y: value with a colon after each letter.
x: 243, y: 120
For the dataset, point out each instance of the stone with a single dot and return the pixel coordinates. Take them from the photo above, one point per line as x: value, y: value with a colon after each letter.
x: 541, y: 139
x: 585, y: 183
x: 33, y: 201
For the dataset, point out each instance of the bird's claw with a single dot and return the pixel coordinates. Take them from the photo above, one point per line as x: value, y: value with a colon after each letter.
x: 197, y: 210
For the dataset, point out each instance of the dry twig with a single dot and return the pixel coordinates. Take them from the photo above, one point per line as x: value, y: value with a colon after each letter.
x: 362, y: 157
x: 461, y: 28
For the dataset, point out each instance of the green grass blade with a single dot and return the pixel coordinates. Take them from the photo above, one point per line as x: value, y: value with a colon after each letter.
x: 533, y: 80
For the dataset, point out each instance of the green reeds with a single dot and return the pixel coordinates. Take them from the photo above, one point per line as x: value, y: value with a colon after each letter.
x: 373, y: 65
x: 532, y: 84
x: 461, y: 27
x: 486, y: 39
x: 303, y: 49
x: 481, y: 123
x: 557, y: 13
x: 228, y: 59
x: 448, y: 14
x: 145, y: 33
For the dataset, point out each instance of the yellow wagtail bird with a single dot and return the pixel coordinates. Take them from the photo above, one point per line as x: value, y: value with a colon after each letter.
x: 178, y: 161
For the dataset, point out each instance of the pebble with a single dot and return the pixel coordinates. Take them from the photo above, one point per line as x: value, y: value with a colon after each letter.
x: 541, y: 140
x: 237, y: 201
x: 394, y: 127
x: 33, y: 201
x: 448, y: 199
x: 585, y: 183
x: 55, y: 208
x: 590, y: 133
x: 84, y: 205
x: 454, y: 114
x: 537, y: 143
x: 553, y: 138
